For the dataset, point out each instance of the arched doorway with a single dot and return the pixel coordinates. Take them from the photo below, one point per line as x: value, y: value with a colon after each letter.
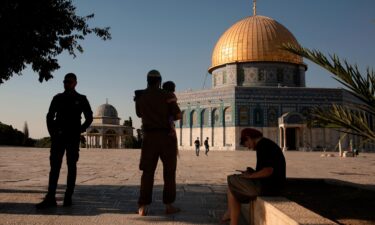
x: 215, y: 122
x: 227, y: 122
x: 291, y: 125
x: 193, y: 126
x: 291, y: 140
x: 110, y: 139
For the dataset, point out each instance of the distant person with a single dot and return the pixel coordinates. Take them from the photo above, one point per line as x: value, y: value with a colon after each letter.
x: 197, y: 144
x: 155, y: 106
x: 65, y: 128
x: 267, y: 179
x: 207, y: 147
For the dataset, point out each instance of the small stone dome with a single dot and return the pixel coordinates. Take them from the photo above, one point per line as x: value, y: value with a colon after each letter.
x: 106, y: 110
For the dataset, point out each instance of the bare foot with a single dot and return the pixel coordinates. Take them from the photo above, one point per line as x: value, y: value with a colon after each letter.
x: 170, y: 209
x: 225, y: 218
x: 143, y: 210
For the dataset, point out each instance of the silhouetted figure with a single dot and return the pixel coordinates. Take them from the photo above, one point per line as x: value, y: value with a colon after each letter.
x: 155, y: 106
x: 267, y: 179
x: 170, y: 87
x: 65, y: 128
x: 197, y: 144
x: 207, y: 146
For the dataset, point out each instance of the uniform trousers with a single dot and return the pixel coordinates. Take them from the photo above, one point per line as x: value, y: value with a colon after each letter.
x: 60, y: 144
x: 158, y: 144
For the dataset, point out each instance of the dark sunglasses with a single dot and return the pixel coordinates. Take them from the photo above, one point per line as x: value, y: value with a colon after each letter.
x: 68, y: 81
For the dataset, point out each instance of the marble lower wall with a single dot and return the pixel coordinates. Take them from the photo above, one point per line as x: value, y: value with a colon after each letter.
x: 219, y: 138
x: 307, y: 139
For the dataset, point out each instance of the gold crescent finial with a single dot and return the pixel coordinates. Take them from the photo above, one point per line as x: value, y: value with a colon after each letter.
x: 254, y: 7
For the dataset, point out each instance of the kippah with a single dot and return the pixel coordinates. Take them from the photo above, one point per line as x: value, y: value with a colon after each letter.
x: 250, y: 132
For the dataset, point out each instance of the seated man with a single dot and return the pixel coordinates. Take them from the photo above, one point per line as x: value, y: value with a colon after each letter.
x: 267, y: 179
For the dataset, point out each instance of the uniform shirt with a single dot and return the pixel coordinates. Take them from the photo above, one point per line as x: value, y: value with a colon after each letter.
x: 153, y: 105
x: 269, y: 154
x: 64, y: 114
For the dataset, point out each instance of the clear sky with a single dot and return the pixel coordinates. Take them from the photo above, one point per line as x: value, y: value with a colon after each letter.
x: 177, y: 37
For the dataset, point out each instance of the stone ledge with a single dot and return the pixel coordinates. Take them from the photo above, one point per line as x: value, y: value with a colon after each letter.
x: 280, y: 211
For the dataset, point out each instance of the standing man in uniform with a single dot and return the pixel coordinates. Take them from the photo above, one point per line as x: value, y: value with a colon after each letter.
x: 197, y: 143
x: 207, y: 146
x: 65, y: 128
x: 153, y: 105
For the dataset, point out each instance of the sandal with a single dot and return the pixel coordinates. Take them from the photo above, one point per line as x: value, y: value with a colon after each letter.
x: 143, y: 210
x: 225, y: 218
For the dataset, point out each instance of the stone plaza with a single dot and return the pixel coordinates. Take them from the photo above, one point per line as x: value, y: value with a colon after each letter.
x: 108, y: 184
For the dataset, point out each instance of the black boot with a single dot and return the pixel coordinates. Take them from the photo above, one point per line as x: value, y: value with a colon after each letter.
x: 48, y: 202
x: 67, y: 200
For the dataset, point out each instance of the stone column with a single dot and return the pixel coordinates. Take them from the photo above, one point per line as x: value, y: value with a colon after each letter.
x: 281, y: 137
x: 284, y: 139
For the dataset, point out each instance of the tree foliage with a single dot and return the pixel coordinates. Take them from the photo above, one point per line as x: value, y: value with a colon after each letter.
x: 43, y: 142
x: 357, y: 119
x: 26, y: 130
x: 128, y: 123
x: 11, y: 136
x: 36, y: 32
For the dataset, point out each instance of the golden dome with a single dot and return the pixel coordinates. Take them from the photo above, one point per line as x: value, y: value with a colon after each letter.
x: 254, y: 39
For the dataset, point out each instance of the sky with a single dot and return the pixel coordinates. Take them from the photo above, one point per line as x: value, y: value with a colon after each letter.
x: 177, y: 37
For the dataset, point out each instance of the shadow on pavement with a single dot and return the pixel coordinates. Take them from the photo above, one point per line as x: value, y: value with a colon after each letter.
x: 342, y: 202
x: 198, y: 202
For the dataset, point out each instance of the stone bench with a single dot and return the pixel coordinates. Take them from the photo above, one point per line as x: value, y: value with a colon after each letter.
x: 279, y: 211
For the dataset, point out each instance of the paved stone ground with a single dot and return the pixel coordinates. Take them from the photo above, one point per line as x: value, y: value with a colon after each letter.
x: 108, y: 182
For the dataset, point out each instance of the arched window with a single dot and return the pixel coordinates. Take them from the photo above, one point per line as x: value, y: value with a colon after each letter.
x: 228, y: 115
x: 183, y: 119
x: 110, y: 132
x: 272, y: 116
x: 215, y: 117
x: 94, y: 131
x: 204, y: 117
x: 243, y: 115
x: 194, y: 118
x: 258, y: 117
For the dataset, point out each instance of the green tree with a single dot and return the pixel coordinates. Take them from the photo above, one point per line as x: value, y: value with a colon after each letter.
x: 36, y: 32
x: 11, y: 136
x: 25, y: 132
x: 43, y: 142
x: 128, y: 123
x: 358, y: 119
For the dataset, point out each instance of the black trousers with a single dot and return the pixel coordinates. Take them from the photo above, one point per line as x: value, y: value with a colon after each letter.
x: 158, y: 145
x: 60, y: 144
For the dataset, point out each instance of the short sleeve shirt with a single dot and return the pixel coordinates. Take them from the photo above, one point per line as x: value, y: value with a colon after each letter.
x: 155, y: 109
x: 269, y: 154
